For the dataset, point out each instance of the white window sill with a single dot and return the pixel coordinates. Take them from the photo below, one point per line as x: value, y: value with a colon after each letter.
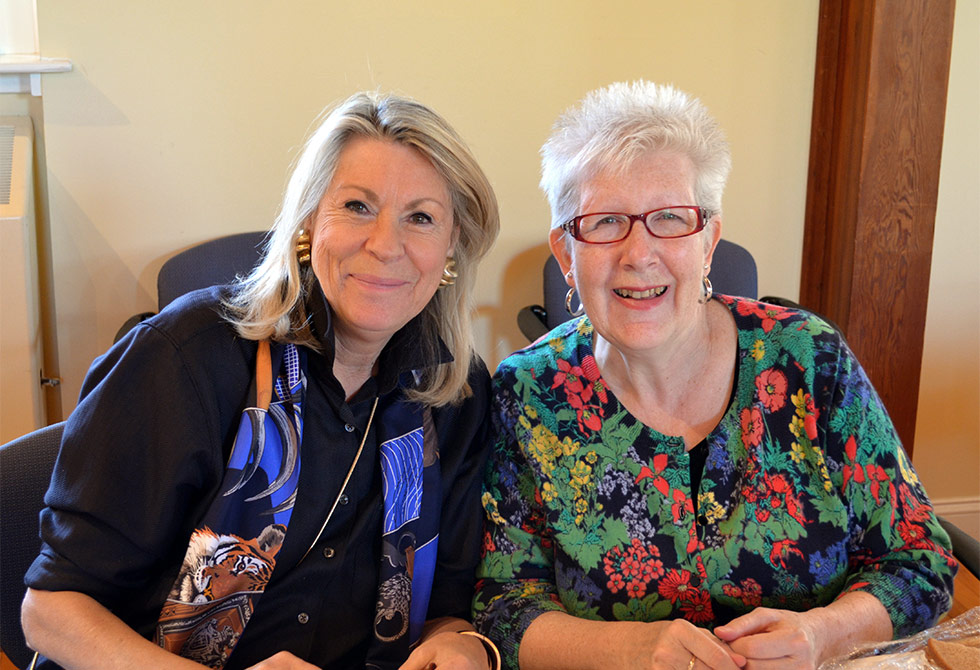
x: 22, y: 73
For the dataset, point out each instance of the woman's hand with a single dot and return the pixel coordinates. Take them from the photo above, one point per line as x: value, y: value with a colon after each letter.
x: 283, y: 661
x: 681, y: 645
x: 771, y: 638
x: 448, y: 651
x: 559, y: 640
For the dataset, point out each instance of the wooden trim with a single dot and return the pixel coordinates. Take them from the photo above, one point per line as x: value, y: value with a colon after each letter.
x: 875, y: 147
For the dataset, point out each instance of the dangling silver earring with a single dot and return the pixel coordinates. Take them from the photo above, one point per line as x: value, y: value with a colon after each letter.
x: 706, y: 290
x: 568, y: 304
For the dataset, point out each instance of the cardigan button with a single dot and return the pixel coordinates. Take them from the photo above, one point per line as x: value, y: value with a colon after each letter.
x: 328, y: 552
x: 303, y: 617
x: 344, y: 499
x: 349, y: 428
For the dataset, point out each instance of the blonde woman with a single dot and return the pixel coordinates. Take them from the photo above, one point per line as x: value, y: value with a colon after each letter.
x: 283, y: 473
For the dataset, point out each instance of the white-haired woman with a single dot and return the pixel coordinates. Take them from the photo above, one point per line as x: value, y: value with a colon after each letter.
x: 284, y: 473
x: 681, y: 480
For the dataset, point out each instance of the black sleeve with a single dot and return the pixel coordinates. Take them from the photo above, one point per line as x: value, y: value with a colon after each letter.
x: 463, y: 451
x: 141, y: 456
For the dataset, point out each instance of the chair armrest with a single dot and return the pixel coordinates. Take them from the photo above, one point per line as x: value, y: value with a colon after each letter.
x: 533, y: 322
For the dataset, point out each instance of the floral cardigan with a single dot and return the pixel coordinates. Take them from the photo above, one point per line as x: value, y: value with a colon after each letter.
x: 806, y: 492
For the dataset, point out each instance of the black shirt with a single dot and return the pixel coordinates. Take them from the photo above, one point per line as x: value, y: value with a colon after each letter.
x: 144, y: 453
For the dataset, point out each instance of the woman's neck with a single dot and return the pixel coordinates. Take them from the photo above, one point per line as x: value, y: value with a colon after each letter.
x: 355, y: 361
x: 683, y: 387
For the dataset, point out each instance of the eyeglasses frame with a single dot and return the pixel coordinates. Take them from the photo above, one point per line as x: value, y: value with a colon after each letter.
x: 572, y: 225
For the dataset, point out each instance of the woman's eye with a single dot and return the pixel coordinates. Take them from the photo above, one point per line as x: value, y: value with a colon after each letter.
x: 420, y: 217
x: 356, y: 206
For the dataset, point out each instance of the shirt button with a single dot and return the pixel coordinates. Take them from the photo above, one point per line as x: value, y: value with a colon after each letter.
x: 328, y: 552
x: 344, y: 499
x: 349, y: 428
x: 303, y: 617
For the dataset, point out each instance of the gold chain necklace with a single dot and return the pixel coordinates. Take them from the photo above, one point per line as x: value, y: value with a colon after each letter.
x: 343, y: 487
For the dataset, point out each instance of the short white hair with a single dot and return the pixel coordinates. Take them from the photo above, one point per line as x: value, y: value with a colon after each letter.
x: 613, y: 126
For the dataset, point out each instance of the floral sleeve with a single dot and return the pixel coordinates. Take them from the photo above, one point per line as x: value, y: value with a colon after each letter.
x: 898, y: 551
x: 516, y: 578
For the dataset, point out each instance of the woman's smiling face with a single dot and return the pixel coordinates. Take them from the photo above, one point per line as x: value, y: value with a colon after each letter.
x: 643, y: 292
x: 380, y: 238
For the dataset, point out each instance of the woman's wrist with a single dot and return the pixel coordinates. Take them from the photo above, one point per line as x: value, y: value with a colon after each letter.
x: 493, y: 654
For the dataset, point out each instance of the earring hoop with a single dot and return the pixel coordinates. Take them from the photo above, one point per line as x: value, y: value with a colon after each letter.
x: 303, y: 249
x: 706, y: 290
x: 568, y: 304
x: 449, y: 273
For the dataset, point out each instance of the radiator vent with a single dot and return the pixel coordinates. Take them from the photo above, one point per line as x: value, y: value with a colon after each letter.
x: 6, y: 162
x: 21, y: 399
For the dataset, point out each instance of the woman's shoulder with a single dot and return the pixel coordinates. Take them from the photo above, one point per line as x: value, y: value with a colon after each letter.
x: 193, y: 313
x: 191, y: 332
x: 564, y: 342
x: 771, y: 321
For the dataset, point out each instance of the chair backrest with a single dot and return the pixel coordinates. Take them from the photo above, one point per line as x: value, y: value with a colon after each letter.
x: 733, y: 272
x: 216, y: 261
x: 966, y: 548
x: 25, y: 472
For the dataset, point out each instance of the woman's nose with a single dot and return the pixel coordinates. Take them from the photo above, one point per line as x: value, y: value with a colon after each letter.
x: 384, y: 238
x: 640, y: 247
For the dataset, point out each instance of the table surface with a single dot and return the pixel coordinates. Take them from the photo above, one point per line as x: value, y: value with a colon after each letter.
x: 966, y: 592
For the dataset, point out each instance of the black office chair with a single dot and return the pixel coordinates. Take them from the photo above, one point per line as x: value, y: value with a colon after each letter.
x: 25, y: 471
x: 733, y: 272
x: 216, y: 261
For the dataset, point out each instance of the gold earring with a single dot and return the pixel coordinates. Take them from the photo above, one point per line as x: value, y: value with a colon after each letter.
x: 449, y: 273
x: 303, y: 249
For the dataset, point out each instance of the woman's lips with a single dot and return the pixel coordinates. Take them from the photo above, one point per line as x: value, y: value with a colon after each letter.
x: 374, y: 281
x: 633, y: 294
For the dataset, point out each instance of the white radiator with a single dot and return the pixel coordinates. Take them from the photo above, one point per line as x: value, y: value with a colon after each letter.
x: 21, y: 398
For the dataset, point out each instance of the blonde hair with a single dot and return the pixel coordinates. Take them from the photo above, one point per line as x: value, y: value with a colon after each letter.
x: 613, y: 126
x: 270, y: 302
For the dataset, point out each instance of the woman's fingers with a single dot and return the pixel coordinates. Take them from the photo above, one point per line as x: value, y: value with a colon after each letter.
x: 283, y: 660
x: 713, y: 653
x: 771, y: 639
x: 758, y: 620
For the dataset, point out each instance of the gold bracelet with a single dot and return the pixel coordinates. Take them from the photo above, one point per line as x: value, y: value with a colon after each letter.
x: 493, y: 654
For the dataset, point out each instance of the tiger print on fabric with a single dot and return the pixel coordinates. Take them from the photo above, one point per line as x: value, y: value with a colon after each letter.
x: 216, y: 565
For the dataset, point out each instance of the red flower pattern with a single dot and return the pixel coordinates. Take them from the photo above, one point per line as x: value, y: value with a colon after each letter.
x: 632, y: 569
x: 579, y: 394
x: 752, y: 427
x: 748, y: 591
x: 697, y: 607
x: 771, y: 387
x: 770, y: 314
x: 676, y: 585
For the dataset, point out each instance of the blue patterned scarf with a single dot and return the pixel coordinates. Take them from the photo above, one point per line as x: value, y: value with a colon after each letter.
x: 231, y: 554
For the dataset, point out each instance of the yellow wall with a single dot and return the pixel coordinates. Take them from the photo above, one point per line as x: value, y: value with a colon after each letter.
x: 179, y: 121
x: 947, y: 434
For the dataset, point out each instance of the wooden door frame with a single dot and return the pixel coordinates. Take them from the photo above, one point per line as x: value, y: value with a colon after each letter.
x: 879, y: 109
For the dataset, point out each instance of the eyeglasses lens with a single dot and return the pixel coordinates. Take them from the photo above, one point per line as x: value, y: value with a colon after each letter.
x: 612, y: 227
